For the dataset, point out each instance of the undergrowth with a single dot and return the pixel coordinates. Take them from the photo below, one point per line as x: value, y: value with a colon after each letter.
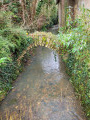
x: 75, y: 42
x: 12, y: 42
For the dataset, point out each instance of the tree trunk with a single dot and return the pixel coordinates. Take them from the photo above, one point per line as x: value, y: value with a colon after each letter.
x: 63, y: 12
x: 23, y: 10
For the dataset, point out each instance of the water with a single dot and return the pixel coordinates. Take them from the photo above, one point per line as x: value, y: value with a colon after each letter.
x: 42, y: 92
x: 54, y: 29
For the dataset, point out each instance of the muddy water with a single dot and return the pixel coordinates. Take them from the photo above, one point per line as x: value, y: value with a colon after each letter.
x: 42, y: 92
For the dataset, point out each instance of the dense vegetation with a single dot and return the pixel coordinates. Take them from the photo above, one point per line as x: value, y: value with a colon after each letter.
x: 73, y: 40
x: 15, y: 16
x: 12, y: 42
x: 32, y: 15
x: 76, y: 53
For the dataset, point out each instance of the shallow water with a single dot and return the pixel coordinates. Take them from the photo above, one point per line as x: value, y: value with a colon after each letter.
x: 54, y: 29
x: 42, y: 91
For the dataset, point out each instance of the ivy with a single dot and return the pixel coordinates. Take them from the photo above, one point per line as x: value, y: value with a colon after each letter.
x: 76, y: 42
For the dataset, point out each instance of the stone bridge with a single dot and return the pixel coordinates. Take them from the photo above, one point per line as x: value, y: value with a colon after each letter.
x: 46, y: 39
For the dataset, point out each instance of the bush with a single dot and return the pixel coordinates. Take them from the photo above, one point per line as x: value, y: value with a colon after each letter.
x: 49, y: 7
x: 76, y: 42
x: 12, y: 42
x: 5, y: 19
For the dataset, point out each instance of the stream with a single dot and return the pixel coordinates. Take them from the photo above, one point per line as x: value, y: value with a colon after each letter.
x: 42, y: 91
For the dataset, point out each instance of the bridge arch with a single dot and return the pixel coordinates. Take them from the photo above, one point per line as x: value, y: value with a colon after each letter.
x: 48, y: 40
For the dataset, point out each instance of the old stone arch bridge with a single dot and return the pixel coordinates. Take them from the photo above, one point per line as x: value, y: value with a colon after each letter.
x: 46, y: 39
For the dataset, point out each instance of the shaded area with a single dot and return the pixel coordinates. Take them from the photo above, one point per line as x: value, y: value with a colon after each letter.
x: 42, y: 92
x: 54, y: 29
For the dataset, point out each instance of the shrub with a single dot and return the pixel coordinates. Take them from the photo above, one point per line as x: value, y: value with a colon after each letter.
x: 12, y: 42
x: 49, y: 7
x: 76, y: 41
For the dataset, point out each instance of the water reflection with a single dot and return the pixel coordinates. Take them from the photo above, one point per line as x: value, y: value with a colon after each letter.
x: 50, y: 61
x: 42, y: 92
